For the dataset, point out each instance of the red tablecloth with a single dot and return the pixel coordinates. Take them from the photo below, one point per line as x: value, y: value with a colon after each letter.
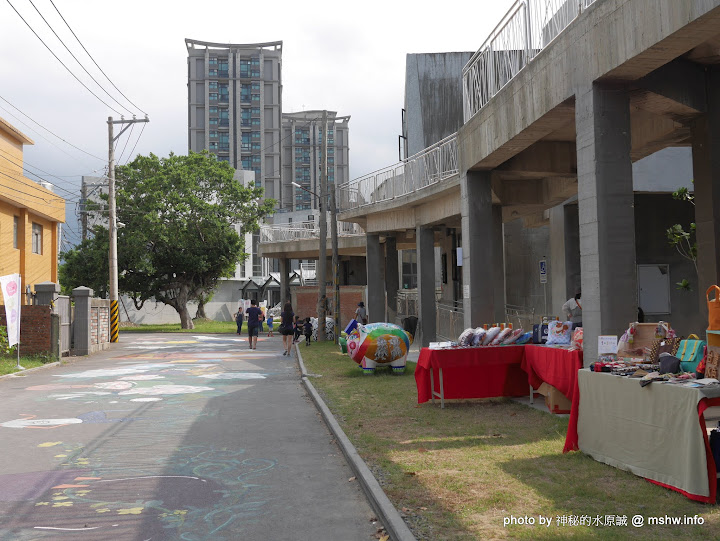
x: 556, y: 366
x: 482, y: 372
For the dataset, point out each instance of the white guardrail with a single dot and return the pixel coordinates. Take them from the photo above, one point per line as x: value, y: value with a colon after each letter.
x: 525, y: 30
x: 425, y: 168
x: 304, y: 230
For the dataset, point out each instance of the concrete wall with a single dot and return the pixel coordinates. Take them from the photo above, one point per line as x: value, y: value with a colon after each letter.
x: 524, y: 248
x: 433, y: 97
x: 225, y: 303
x: 654, y: 213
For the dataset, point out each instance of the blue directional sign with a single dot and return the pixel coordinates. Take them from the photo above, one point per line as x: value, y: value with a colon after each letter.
x: 543, y: 271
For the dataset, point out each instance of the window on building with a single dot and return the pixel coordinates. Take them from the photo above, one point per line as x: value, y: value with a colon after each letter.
x: 37, y: 241
x: 213, y: 85
x: 213, y: 96
x: 16, y: 222
x: 213, y: 121
x: 213, y: 61
x: 245, y: 144
x: 247, y: 163
x: 213, y: 110
x: 255, y: 134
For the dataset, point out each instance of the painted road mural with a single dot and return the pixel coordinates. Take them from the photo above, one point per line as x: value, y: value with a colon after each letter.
x: 144, y: 443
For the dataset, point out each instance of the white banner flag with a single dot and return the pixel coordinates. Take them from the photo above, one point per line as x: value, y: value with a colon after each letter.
x: 11, y: 291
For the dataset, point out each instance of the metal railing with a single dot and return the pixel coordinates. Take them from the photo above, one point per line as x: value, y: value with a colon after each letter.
x: 304, y: 230
x: 449, y: 321
x: 522, y: 317
x: 525, y: 30
x: 428, y: 167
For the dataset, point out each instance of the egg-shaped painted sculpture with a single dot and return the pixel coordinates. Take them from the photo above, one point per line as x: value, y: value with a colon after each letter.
x: 378, y: 344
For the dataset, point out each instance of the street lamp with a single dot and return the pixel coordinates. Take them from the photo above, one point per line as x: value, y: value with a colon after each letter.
x: 335, y: 259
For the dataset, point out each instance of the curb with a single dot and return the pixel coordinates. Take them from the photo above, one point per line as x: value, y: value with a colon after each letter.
x: 388, y: 515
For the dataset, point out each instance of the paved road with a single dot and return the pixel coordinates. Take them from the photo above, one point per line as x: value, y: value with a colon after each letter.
x: 173, y: 437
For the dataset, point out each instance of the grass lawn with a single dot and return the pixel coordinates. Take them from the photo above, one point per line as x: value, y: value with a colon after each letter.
x: 201, y: 326
x: 8, y: 364
x: 455, y: 474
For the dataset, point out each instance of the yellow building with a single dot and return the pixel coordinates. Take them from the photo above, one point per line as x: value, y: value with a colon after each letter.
x: 30, y: 216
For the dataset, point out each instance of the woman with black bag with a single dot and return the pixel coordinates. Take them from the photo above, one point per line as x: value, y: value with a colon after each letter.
x: 286, y: 327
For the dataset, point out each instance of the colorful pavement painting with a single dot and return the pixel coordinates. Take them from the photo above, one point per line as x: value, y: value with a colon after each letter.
x: 112, y: 448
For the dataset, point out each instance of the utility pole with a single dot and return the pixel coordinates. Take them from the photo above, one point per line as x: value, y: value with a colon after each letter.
x: 83, y: 198
x: 322, y: 256
x: 112, y: 223
x: 335, y: 261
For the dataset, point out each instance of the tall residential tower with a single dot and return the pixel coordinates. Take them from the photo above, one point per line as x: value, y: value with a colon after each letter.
x: 235, y: 106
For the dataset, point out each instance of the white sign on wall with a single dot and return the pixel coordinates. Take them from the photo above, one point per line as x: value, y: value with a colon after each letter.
x: 466, y: 291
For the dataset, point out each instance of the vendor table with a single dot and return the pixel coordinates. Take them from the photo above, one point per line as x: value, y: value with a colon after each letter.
x: 482, y: 372
x: 657, y: 432
x: 556, y: 366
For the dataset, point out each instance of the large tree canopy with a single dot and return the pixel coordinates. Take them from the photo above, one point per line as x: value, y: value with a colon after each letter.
x: 179, y: 237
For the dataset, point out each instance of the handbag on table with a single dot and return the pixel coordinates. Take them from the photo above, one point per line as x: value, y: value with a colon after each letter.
x: 690, y: 353
x: 663, y: 345
x: 713, y: 308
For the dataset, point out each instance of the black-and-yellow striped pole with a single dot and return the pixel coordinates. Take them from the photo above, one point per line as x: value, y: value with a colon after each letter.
x: 114, y: 321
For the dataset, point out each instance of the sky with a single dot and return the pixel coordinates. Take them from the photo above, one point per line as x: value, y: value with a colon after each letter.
x: 344, y: 57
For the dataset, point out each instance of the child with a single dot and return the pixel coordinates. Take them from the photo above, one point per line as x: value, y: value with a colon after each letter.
x: 270, y: 324
x: 298, y: 330
x: 308, y: 329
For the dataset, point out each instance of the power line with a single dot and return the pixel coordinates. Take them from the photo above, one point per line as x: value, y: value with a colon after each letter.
x: 61, y: 62
x: 5, y: 186
x: 132, y: 127
x: 136, y: 143
x: 25, y: 165
x: 76, y: 60
x: 96, y: 64
x: 47, y: 130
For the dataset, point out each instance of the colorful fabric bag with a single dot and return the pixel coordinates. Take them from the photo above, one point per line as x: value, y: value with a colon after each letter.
x: 713, y: 308
x: 691, y: 353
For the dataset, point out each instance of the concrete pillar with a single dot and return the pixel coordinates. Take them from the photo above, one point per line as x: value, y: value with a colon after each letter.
x: 606, y: 215
x: 498, y: 256
x: 564, y: 264
x: 46, y: 293
x: 706, y: 173
x: 392, y: 277
x: 425, y: 238
x: 81, y: 322
x: 284, y: 280
x: 478, y: 270
x: 375, y: 281
x: 572, y: 251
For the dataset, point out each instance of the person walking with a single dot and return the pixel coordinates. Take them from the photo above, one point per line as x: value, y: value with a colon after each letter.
x: 573, y: 310
x: 286, y: 327
x: 361, y: 313
x: 298, y: 330
x: 239, y: 319
x: 254, y: 321
x: 307, y: 330
x: 270, y: 323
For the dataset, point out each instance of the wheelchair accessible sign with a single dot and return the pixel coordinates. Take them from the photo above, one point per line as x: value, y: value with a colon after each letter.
x: 543, y: 271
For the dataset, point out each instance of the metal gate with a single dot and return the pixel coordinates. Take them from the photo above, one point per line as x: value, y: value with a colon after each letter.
x: 63, y: 308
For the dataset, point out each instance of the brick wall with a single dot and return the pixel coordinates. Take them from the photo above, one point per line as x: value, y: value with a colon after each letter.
x: 99, y: 321
x: 304, y: 301
x: 35, y: 329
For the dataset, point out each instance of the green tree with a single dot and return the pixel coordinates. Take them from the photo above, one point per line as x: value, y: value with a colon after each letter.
x: 184, y: 223
x: 86, y: 264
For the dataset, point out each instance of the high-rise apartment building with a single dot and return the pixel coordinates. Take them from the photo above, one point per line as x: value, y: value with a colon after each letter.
x: 302, y: 135
x: 235, y: 106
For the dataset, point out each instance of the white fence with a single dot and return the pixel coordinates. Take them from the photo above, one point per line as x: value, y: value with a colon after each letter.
x: 305, y: 230
x: 524, y: 31
x: 425, y: 168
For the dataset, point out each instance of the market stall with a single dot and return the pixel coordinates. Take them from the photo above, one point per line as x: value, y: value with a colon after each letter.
x: 482, y: 372
x: 657, y: 432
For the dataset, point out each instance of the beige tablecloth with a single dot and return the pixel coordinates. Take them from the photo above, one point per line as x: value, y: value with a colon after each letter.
x: 651, y: 431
